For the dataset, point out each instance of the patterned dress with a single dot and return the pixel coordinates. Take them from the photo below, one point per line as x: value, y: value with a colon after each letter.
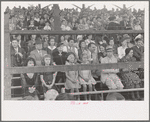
x: 130, y: 79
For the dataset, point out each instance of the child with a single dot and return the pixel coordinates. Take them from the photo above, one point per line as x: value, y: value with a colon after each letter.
x: 72, y: 82
x: 47, y: 26
x: 47, y: 78
x: 85, y: 77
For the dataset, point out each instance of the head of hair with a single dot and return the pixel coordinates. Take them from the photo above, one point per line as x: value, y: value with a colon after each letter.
x: 65, y: 96
x: 69, y: 39
x: 29, y: 59
x: 47, y: 56
x: 70, y: 53
x: 138, y: 39
x: 81, y: 43
x: 89, y: 45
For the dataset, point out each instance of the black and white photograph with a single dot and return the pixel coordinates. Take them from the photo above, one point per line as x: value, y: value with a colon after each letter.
x: 80, y: 55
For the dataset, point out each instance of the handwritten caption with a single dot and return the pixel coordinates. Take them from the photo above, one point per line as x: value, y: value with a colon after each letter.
x: 78, y: 103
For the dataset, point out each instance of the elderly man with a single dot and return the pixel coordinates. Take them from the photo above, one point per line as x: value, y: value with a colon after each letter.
x: 38, y: 53
x: 108, y: 76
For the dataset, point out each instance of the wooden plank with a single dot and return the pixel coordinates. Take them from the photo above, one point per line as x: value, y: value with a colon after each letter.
x: 108, y: 91
x: 63, y: 68
x: 56, y: 32
x: 95, y: 92
x: 7, y: 60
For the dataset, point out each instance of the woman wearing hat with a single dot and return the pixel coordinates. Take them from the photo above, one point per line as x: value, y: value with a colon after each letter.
x: 130, y: 79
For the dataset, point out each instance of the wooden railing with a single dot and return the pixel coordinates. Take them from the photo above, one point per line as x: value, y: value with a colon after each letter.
x: 8, y: 70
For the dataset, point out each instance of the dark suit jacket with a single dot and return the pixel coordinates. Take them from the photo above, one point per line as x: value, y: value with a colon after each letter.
x: 113, y: 26
x: 59, y: 60
x: 138, y: 52
x: 17, y: 60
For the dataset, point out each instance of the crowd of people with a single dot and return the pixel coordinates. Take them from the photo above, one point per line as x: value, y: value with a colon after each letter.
x: 45, y: 50
x: 37, y: 18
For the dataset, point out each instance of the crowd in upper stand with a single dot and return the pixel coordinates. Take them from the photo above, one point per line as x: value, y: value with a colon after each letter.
x: 37, y: 18
x: 45, y: 50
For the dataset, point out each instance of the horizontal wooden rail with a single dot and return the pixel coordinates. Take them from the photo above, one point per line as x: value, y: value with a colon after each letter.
x: 108, y: 91
x: 95, y: 92
x: 63, y: 68
x: 43, y: 32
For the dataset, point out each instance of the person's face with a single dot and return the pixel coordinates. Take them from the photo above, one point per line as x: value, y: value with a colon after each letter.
x: 62, y: 38
x: 111, y: 42
x: 81, y: 21
x: 83, y: 44
x: 30, y: 63
x: 92, y: 48
x: 47, y: 24
x: 90, y: 37
x: 47, y: 60
x: 124, y: 43
x: 102, y: 49
x: 33, y: 36
x: 60, y: 49
x: 15, y: 43
x: 38, y: 46
x: 140, y: 43
x: 42, y: 20
x: 52, y: 42
x: 84, y: 58
x: 109, y: 54
x: 71, y: 43
x: 71, y: 58
x: 131, y: 53
x: 19, y: 37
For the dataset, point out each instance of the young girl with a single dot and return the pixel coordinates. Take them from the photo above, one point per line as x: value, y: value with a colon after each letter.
x: 85, y: 77
x: 48, y: 78
x: 30, y: 82
x: 72, y: 82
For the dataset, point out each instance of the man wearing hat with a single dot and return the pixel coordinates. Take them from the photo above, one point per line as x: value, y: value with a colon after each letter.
x: 124, y: 23
x: 108, y: 76
x: 38, y: 53
x: 18, y: 54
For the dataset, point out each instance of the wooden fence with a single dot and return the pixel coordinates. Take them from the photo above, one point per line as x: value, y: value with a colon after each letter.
x: 8, y: 70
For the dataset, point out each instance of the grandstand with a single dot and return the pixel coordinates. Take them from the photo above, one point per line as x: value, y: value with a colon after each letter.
x: 96, y: 28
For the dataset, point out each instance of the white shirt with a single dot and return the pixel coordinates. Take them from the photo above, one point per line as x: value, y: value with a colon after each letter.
x: 121, y: 51
x: 47, y: 28
x: 51, y: 47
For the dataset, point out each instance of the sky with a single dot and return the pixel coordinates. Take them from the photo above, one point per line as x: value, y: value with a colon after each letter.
x: 67, y: 4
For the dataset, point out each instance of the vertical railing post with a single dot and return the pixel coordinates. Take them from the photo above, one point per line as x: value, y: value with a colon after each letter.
x: 7, y: 59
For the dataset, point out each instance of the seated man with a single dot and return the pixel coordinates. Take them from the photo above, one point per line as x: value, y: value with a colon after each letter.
x: 108, y: 76
x: 38, y: 53
x: 18, y: 54
x: 138, y: 49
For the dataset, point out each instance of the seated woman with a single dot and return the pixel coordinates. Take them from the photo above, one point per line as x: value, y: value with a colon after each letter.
x: 48, y: 78
x: 102, y: 52
x: 85, y: 77
x: 30, y: 82
x: 130, y: 79
x: 83, y: 50
x: 72, y: 82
